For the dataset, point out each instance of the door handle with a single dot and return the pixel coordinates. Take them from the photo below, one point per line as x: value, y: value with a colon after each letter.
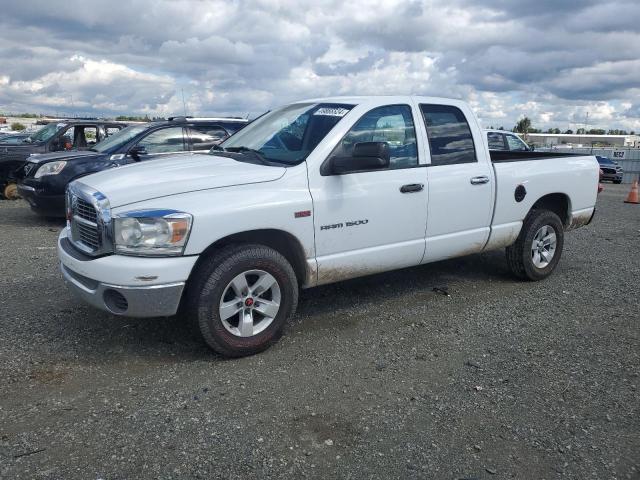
x: 479, y: 180
x: 411, y: 188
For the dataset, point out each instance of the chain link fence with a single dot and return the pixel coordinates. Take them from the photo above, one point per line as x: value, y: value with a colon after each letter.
x: 627, y: 158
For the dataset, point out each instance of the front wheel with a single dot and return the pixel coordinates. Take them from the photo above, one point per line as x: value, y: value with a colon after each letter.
x: 617, y: 182
x: 241, y: 298
x: 10, y: 191
x: 538, y: 248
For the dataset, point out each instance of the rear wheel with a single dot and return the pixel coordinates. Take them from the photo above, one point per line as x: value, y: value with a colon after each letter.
x: 241, y: 298
x: 538, y: 248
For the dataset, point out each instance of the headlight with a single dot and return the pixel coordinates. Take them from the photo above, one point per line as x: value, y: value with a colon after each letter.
x: 151, y: 232
x: 53, y: 168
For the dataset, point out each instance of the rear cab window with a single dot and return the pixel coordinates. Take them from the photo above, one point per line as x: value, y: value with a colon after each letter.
x: 233, y: 127
x: 203, y: 138
x: 516, y: 144
x: 450, y: 137
x: 110, y: 130
x: 496, y: 141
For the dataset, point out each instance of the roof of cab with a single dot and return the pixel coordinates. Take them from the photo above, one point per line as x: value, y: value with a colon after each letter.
x: 382, y: 99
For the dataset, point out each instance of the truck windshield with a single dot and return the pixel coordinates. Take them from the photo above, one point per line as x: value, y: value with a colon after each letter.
x: 115, y: 141
x: 605, y: 161
x: 45, y: 133
x: 289, y: 134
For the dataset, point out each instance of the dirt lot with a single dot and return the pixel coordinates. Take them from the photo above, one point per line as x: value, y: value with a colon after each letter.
x: 376, y: 378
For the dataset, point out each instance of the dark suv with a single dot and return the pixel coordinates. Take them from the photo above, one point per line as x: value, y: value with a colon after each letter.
x: 57, y: 136
x: 610, y: 169
x: 45, y: 177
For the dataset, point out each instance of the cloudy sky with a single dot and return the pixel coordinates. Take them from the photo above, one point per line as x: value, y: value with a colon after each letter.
x: 553, y: 60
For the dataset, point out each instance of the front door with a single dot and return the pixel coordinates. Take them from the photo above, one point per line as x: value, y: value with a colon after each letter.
x: 368, y: 222
x: 460, y: 185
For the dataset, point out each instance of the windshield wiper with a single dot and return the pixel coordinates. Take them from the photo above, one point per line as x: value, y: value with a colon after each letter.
x: 257, y: 153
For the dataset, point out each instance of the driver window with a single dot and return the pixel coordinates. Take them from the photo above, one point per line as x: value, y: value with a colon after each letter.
x: 392, y: 124
x: 167, y: 140
x: 66, y: 140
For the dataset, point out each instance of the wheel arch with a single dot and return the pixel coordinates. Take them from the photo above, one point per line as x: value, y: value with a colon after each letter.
x: 8, y: 168
x: 558, y: 203
x: 283, y: 242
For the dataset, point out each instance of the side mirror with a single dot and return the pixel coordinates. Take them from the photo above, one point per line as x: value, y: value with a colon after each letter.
x: 366, y: 156
x: 137, y: 151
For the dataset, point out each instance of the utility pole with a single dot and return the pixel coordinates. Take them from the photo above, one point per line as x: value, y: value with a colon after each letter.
x: 586, y: 123
x: 184, y: 105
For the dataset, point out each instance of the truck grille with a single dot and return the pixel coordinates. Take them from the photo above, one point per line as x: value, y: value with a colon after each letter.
x: 88, y: 234
x: 85, y: 210
x: 87, y: 227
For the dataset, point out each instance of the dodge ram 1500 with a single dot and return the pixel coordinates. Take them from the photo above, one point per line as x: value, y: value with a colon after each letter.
x: 314, y: 192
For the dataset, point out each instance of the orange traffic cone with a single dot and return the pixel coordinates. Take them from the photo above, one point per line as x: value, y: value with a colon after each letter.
x: 633, y: 194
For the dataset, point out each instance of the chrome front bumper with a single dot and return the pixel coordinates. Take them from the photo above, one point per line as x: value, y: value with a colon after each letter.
x: 147, y: 301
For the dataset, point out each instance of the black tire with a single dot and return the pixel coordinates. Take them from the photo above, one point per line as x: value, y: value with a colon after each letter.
x: 617, y: 182
x: 207, y: 287
x: 10, y: 191
x: 519, y: 257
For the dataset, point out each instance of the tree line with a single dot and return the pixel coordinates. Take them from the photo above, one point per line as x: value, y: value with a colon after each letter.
x: 524, y: 126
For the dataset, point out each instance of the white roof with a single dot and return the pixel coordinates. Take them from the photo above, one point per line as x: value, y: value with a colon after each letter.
x: 509, y: 132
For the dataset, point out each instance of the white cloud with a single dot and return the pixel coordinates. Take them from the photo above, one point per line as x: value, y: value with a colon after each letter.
x: 552, y: 60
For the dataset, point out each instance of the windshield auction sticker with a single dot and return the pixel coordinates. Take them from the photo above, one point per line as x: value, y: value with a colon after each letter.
x: 332, y: 112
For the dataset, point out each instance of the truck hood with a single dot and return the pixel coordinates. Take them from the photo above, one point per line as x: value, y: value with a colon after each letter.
x: 55, y: 156
x: 23, y: 148
x: 176, y: 174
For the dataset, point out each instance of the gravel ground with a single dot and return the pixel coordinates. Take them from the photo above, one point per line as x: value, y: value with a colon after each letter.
x: 377, y: 377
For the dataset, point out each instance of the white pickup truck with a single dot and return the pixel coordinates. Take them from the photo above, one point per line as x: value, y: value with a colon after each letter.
x: 314, y: 192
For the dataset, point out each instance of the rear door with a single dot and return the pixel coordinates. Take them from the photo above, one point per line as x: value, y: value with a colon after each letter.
x: 460, y: 183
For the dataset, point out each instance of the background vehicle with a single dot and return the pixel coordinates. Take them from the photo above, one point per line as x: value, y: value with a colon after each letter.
x: 54, y: 137
x: 610, y: 169
x: 313, y: 193
x: 501, y: 140
x: 46, y: 176
x: 14, y: 138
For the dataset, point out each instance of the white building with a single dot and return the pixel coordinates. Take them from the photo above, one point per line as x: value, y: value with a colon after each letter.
x: 585, y: 140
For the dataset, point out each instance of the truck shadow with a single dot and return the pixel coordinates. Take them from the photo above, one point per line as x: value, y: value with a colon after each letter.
x: 76, y: 330
x: 452, y: 276
x: 100, y: 335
